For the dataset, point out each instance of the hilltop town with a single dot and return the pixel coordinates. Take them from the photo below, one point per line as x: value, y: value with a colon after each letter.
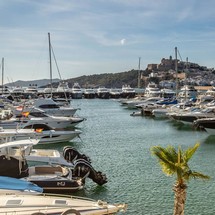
x: 165, y: 73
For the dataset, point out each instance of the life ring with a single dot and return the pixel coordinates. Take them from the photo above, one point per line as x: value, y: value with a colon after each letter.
x: 71, y: 212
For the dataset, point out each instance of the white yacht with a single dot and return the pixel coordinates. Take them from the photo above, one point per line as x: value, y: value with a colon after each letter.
x: 76, y: 91
x: 49, y: 106
x: 132, y: 103
x: 53, y: 108
x: 152, y: 90
x: 187, y: 92
x: 37, y: 116
x: 128, y: 91
x: 18, y: 90
x: 89, y: 93
x: 44, y: 133
x: 102, y: 93
x: 148, y: 102
x: 63, y: 87
x: 192, y: 114
x: 115, y: 93
x: 210, y: 92
x: 49, y: 90
x: 31, y: 89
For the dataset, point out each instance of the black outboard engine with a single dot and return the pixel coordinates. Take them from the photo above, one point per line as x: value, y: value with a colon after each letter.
x: 70, y: 154
x: 84, y: 169
x: 12, y: 167
x: 82, y: 166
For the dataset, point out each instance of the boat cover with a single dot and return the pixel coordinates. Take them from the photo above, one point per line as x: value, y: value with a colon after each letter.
x: 9, y: 183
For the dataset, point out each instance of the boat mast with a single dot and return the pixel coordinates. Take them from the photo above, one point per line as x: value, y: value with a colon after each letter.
x: 138, y: 84
x: 2, y: 74
x: 50, y: 62
x: 176, y: 71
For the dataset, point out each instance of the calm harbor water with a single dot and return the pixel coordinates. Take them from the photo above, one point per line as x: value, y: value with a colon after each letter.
x: 119, y: 146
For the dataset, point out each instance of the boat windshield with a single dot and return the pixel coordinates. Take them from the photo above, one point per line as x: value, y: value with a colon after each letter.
x: 49, y: 106
x: 38, y: 114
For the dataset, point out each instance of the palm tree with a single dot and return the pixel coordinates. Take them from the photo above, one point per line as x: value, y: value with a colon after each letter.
x: 176, y: 163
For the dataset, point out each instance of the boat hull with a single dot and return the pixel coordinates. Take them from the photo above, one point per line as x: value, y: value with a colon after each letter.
x: 55, y: 205
x: 57, y: 185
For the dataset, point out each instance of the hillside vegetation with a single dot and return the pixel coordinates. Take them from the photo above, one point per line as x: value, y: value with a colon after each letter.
x: 109, y: 80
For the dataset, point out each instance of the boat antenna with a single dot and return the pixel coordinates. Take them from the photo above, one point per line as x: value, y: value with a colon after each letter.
x: 50, y: 62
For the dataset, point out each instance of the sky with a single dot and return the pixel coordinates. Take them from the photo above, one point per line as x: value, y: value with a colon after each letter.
x: 102, y: 36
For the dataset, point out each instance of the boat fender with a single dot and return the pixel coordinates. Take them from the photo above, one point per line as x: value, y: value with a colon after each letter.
x: 70, y: 212
x: 50, y: 134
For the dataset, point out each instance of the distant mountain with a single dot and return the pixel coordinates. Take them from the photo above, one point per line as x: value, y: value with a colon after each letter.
x: 109, y: 80
x: 38, y: 83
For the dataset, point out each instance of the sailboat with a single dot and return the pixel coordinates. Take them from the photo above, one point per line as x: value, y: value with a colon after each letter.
x: 23, y: 198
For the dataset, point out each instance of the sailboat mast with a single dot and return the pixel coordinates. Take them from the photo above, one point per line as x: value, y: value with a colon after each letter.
x: 138, y: 84
x: 50, y: 62
x: 176, y: 71
x: 2, y: 75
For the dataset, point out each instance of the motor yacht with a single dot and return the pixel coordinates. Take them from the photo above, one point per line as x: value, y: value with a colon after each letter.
x: 187, y: 92
x: 128, y: 91
x: 89, y: 93
x: 115, y: 93
x: 53, y: 108
x: 152, y: 90
x: 188, y: 116
x: 63, y: 87
x: 38, y: 116
x: 207, y: 124
x: 102, y: 93
x: 44, y: 133
x: 76, y: 91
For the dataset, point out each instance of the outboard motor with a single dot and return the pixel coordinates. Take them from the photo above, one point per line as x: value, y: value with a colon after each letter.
x: 82, y: 166
x: 84, y: 169
x: 70, y: 154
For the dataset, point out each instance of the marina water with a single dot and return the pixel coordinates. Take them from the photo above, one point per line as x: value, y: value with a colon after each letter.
x: 119, y: 146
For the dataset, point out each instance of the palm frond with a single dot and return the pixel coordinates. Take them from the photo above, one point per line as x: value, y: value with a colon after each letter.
x: 195, y: 175
x: 165, y: 153
x: 167, y: 158
x: 171, y: 150
x: 198, y: 175
x: 180, y: 160
x: 189, y: 152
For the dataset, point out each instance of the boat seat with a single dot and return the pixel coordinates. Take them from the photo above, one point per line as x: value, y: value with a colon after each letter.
x: 47, y: 169
x: 57, y: 170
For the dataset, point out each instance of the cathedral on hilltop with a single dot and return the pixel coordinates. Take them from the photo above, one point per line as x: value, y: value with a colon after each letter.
x: 170, y: 64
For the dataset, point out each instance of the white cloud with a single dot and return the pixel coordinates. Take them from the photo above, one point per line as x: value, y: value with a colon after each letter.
x: 122, y: 41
